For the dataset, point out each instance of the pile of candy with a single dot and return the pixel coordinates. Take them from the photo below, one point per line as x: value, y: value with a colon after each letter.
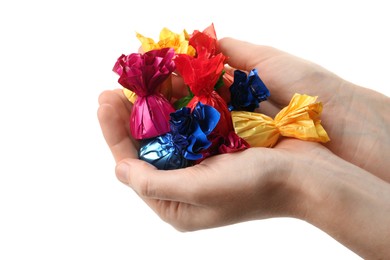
x: 176, y: 132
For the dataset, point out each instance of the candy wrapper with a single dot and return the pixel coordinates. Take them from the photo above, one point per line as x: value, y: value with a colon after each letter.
x: 247, y: 91
x: 168, y: 39
x: 201, y: 74
x: 179, y: 42
x: 205, y: 43
x: 233, y: 143
x: 130, y: 95
x: 300, y: 119
x: 205, y: 123
x: 143, y: 74
x: 186, y: 140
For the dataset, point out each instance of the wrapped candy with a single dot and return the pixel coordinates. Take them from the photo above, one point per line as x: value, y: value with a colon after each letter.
x: 300, y: 119
x: 201, y: 74
x: 165, y: 89
x: 168, y: 39
x: 186, y: 140
x: 206, y: 124
x: 247, y: 91
x: 220, y: 145
x: 233, y: 143
x: 205, y: 43
x: 130, y: 95
x: 143, y: 74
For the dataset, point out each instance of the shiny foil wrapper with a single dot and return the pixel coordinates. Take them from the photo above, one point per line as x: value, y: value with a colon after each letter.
x: 162, y: 153
x: 247, y: 91
x: 300, y: 119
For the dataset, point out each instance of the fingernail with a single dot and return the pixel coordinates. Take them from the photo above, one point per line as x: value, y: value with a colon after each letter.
x: 121, y: 172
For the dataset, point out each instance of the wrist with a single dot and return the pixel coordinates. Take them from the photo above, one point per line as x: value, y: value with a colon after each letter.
x: 310, y: 185
x: 349, y: 204
x: 285, y: 193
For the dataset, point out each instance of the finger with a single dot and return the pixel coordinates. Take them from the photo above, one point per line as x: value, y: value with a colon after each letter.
x: 244, y: 55
x: 115, y: 133
x: 268, y: 108
x: 121, y: 105
x: 123, y: 98
x: 185, y: 216
x: 150, y: 183
x: 171, y: 194
x: 272, y: 69
x: 117, y: 99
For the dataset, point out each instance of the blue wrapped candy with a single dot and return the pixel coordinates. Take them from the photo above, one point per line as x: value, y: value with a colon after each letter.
x: 162, y: 152
x: 185, y: 141
x: 247, y: 91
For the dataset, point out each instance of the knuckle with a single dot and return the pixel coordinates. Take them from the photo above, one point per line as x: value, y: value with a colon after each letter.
x: 103, y: 97
x: 141, y: 179
x: 176, y: 214
x: 143, y: 187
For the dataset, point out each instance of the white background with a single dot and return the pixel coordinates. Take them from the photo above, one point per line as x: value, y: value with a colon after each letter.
x: 59, y: 198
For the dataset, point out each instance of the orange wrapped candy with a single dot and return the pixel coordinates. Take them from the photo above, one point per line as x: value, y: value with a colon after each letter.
x: 300, y: 119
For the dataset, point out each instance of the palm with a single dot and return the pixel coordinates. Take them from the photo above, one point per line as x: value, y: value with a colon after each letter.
x: 239, y: 180
x: 350, y: 123
x: 223, y: 192
x: 342, y: 116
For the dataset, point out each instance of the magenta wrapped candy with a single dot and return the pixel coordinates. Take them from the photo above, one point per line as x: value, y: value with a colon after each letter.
x: 143, y: 74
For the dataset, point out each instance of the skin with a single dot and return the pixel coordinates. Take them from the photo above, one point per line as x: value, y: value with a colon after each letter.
x: 341, y: 187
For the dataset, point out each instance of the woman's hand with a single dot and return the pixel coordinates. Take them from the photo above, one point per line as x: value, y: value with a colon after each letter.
x: 222, y: 190
x: 296, y: 178
x: 357, y: 119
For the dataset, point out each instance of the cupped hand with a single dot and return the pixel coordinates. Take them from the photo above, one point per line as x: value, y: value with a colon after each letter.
x: 356, y: 118
x: 295, y: 178
x: 225, y: 189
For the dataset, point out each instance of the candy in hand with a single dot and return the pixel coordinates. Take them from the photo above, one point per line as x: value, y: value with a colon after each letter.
x: 247, y: 91
x: 168, y: 39
x: 201, y: 74
x: 143, y: 74
x: 186, y: 140
x: 300, y: 119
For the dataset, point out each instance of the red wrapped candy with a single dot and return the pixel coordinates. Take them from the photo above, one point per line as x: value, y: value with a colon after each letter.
x: 201, y: 74
x: 206, y: 42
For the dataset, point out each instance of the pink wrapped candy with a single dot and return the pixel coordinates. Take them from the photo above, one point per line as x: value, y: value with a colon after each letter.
x: 143, y: 74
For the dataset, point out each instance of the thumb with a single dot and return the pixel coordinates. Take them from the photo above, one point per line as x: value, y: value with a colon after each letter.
x: 149, y: 182
x: 244, y: 55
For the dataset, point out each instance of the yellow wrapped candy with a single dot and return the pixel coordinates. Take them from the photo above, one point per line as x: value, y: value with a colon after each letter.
x: 168, y: 39
x: 300, y: 119
x: 130, y: 95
